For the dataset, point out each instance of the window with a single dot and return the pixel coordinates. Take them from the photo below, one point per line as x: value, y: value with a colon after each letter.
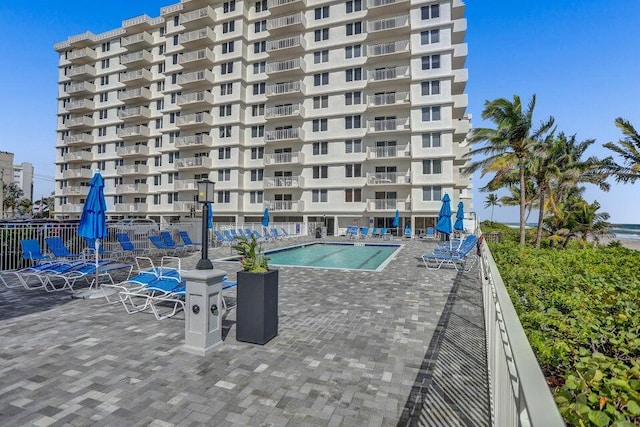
x: 432, y: 167
x: 321, y: 34
x: 227, y: 47
x: 431, y: 88
x: 175, y: 41
x: 106, y: 47
x: 156, y: 199
x: 257, y: 174
x: 352, y: 195
x: 225, y: 110
x: 103, y: 114
x: 354, y: 51
x: 319, y: 196
x: 431, y: 114
x: 320, y: 102
x: 104, y: 80
x: 224, y: 175
x: 430, y: 12
x: 257, y: 132
x: 260, y: 26
x: 353, y: 170
x: 261, y: 6
x: 229, y: 6
x: 176, y: 20
x: 161, y: 68
x: 430, y: 37
x: 224, y: 196
x: 257, y: 110
x: 157, y: 161
x: 319, y: 125
x: 257, y: 152
x: 224, y: 153
x: 353, y: 146
x: 321, y: 79
x: 354, y: 28
x: 353, y: 98
x: 259, y: 88
x: 259, y: 67
x: 157, y: 180
x: 158, y: 142
x: 159, y: 104
x: 102, y: 131
x: 173, y: 156
x: 431, y: 140
x: 256, y: 197
x: 226, y: 89
x: 225, y: 131
x: 353, y: 122
x: 228, y: 27
x: 322, y: 12
x: 104, y: 63
x: 104, y: 96
x: 102, y: 148
x: 354, y: 5
x: 159, y: 123
x: 431, y: 193
x: 431, y: 62
x: 321, y: 56
x: 260, y: 47
x: 320, y: 148
x: 226, y: 68
x: 320, y: 172
x: 353, y: 74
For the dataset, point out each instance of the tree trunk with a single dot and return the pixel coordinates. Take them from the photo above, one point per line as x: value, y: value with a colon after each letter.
x: 540, y: 217
x: 492, y: 206
x: 522, y: 201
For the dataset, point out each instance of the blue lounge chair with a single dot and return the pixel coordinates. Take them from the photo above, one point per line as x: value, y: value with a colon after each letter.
x: 160, y: 245
x: 91, y: 249
x: 430, y: 233
x: 59, y: 250
x: 222, y: 238
x: 286, y: 234
x: 128, y: 249
x: 31, y: 251
x: 462, y: 258
x: 407, y: 233
x: 229, y: 236
x: 168, y: 240
x: 186, y: 239
x: 275, y: 234
x: 375, y: 232
x: 25, y: 274
x: 352, y: 232
x: 385, y: 233
x: 364, y: 232
x: 86, y: 271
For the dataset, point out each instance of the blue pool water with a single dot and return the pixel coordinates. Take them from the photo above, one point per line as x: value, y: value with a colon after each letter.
x: 351, y: 256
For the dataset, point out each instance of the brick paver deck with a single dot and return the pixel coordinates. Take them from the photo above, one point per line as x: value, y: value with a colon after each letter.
x: 404, y: 346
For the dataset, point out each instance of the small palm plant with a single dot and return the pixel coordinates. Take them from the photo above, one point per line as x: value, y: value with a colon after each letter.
x: 253, y: 260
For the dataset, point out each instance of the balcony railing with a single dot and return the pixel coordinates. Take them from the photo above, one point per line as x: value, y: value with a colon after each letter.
x: 138, y: 169
x: 194, y: 141
x: 72, y: 208
x: 133, y: 131
x: 194, y: 163
x: 391, y: 98
x: 81, y: 71
x: 388, y: 48
x: 130, y: 207
x: 284, y: 205
x: 196, y: 77
x: 185, y: 185
x: 382, y: 204
x: 136, y: 76
x: 388, y: 24
x: 286, y: 43
x: 79, y: 105
x: 77, y: 173
x: 77, y: 156
x: 284, y: 182
x: 201, y: 36
x: 289, y: 4
x: 284, y: 111
x: 130, y: 58
x: 292, y: 64
x: 283, y: 134
x: 83, y: 55
x: 184, y: 206
x: 196, y: 17
x: 77, y: 190
x: 79, y: 138
x: 202, y: 96
x: 131, y: 94
x: 381, y: 178
x: 284, y: 88
x: 132, y: 188
x: 197, y: 57
x: 390, y: 73
x: 283, y: 158
x: 379, y: 3
x: 133, y: 150
x: 131, y: 113
x: 80, y: 87
x: 293, y: 21
x: 143, y: 38
x: 388, y: 125
x: 195, y: 119
x: 79, y: 122
x: 388, y: 152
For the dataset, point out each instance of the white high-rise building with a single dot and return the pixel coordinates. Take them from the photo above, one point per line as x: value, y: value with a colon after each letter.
x: 336, y: 111
x: 23, y: 178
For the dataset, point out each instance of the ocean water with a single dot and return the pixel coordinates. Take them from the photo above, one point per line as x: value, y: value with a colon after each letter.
x: 622, y: 231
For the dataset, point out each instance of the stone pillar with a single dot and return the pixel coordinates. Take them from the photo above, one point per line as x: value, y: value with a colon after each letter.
x: 203, y: 311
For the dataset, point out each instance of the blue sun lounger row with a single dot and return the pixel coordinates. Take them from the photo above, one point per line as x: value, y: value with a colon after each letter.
x: 462, y: 257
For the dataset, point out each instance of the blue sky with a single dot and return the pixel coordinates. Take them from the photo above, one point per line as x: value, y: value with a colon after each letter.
x: 580, y: 57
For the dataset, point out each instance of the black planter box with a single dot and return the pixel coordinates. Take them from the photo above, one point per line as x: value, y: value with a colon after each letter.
x: 257, y: 309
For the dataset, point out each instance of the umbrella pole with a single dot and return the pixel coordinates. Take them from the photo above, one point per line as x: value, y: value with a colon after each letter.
x: 97, y: 249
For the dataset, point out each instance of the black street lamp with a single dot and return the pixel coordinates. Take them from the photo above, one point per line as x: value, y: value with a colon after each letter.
x: 205, y: 196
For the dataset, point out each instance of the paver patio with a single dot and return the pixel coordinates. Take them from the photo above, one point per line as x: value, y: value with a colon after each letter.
x: 404, y: 346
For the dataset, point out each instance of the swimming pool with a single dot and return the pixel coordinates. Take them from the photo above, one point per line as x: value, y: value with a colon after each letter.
x: 343, y: 256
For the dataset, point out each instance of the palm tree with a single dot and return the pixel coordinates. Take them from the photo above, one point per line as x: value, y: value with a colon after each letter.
x: 25, y: 206
x: 12, y: 193
x: 509, y: 145
x: 491, y: 201
x: 513, y: 199
x: 629, y: 149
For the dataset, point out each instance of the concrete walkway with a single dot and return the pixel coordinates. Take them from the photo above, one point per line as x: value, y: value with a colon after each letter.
x: 404, y: 346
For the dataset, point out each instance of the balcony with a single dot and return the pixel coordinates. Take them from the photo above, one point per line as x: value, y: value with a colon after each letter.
x: 80, y: 88
x: 132, y: 188
x: 388, y: 125
x: 288, y: 134
x: 459, y: 56
x: 79, y: 105
x: 194, y: 141
x: 284, y: 111
x: 137, y: 77
x: 460, y: 78
x: 288, y: 65
x: 137, y: 94
x: 141, y: 56
x: 378, y: 7
x: 77, y: 156
x: 133, y: 132
x: 285, y: 205
x: 78, y: 139
x: 392, y: 99
x: 82, y: 56
x: 389, y: 178
x: 77, y: 174
x: 72, y: 208
x: 130, y: 114
x: 459, y: 31
x: 284, y: 182
x: 388, y: 48
x: 194, y: 163
x: 283, y: 158
x: 81, y: 72
x: 198, y: 59
x: 131, y: 207
x: 292, y: 44
x: 389, y: 74
x: 196, y: 78
x: 184, y: 206
x: 276, y: 6
x: 379, y: 26
x: 138, y: 150
x: 389, y: 152
x: 285, y: 88
x: 79, y: 122
x: 290, y: 23
x: 76, y: 190
x: 140, y: 40
x: 139, y: 169
x: 388, y: 205
x: 200, y: 98
x: 193, y: 120
x: 185, y: 185
x: 201, y: 37
x: 198, y: 18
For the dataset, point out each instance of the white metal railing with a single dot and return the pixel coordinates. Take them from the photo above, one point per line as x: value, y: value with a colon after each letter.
x: 282, y: 134
x: 388, y: 98
x: 275, y: 3
x: 137, y: 130
x: 77, y: 173
x: 194, y: 162
x: 383, y: 204
x: 133, y: 150
x: 72, y: 156
x: 378, y: 3
x: 197, y: 14
x: 143, y: 37
x: 132, y: 169
x: 80, y: 70
x: 79, y: 104
x: 389, y: 178
x: 86, y: 52
x: 388, y: 48
x: 390, y: 151
x: 79, y: 121
x: 75, y: 190
x: 389, y: 73
x: 130, y: 112
x: 388, y: 125
x: 136, y: 56
x: 284, y: 88
x: 286, y: 65
x: 185, y: 184
x: 286, y: 43
x: 282, y: 158
x: 283, y: 182
x: 195, y: 97
x: 132, y: 188
x: 78, y: 138
x: 197, y: 55
x: 282, y: 205
x: 519, y: 392
x: 135, y: 75
x: 140, y: 92
x: 196, y: 76
x: 387, y: 23
x: 195, y: 35
x: 195, y: 119
x: 283, y: 111
x: 80, y: 87
x: 194, y: 140
x: 285, y: 21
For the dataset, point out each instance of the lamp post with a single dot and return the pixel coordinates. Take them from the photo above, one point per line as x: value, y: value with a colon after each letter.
x: 205, y: 196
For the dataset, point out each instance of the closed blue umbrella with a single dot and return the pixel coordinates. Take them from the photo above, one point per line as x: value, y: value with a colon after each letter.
x: 210, y: 216
x: 93, y: 222
x: 444, y: 219
x: 396, y: 219
x: 459, y: 225
x: 265, y: 217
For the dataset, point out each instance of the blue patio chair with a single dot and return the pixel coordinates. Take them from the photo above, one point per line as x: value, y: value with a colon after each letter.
x: 91, y: 249
x: 160, y: 245
x: 59, y: 250
x: 186, y: 239
x: 430, y: 233
x: 222, y: 239
x: 385, y: 233
x: 375, y: 232
x: 275, y: 234
x: 286, y: 234
x: 267, y: 234
x: 229, y: 236
x: 127, y: 246
x: 407, y: 233
x: 31, y: 251
x: 87, y: 271
x: 168, y: 240
x: 364, y: 232
x: 257, y: 235
x: 462, y: 258
x: 352, y: 232
x: 24, y: 275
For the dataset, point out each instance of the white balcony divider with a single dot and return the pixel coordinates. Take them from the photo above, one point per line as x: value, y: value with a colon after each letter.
x: 389, y: 73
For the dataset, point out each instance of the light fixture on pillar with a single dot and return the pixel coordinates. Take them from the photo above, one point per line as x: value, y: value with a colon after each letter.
x: 205, y: 196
